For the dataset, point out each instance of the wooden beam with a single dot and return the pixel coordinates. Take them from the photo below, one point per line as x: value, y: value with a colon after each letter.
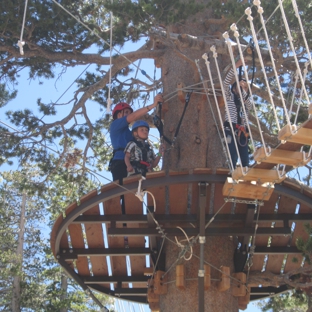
x: 221, y: 231
x: 225, y: 282
x: 207, y: 278
x: 239, y: 284
x: 160, y: 286
x: 180, y: 276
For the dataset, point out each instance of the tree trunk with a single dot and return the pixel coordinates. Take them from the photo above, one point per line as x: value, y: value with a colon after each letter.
x: 218, y: 252
x: 64, y: 284
x: 197, y: 145
x: 16, y: 293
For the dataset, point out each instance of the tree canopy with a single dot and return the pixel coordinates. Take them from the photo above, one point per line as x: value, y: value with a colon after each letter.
x: 63, y: 34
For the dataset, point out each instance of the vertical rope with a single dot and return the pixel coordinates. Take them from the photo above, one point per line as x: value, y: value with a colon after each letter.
x: 294, y: 93
x: 260, y: 11
x: 305, y: 71
x: 293, y: 48
x: 109, y: 101
x: 250, y: 18
x: 294, y: 3
x: 205, y: 57
x: 236, y: 35
x: 20, y: 42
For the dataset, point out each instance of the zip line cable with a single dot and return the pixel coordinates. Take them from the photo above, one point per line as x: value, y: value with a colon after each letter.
x: 99, y: 37
x: 109, y: 101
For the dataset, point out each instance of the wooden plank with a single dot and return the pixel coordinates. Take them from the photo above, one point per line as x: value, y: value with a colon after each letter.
x: 160, y: 198
x: 95, y: 239
x: 258, y: 175
x: 267, y: 208
x: 275, y: 262
x: 301, y: 135
x: 278, y: 156
x: 76, y: 237
x: 178, y: 198
x: 247, y: 190
x: 137, y: 263
x: 118, y: 263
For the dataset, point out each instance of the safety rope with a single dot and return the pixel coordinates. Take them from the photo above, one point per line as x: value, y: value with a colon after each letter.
x: 249, y: 93
x: 266, y: 149
x: 225, y: 146
x: 294, y: 93
x: 250, y: 18
x: 293, y: 48
x: 109, y: 101
x: 295, y: 6
x: 20, y: 42
x: 260, y: 11
x: 226, y: 106
x: 305, y: 71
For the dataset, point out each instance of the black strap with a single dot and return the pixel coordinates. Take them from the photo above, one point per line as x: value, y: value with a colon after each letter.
x: 187, y: 99
x: 159, y: 125
x: 117, y: 149
x: 252, y: 47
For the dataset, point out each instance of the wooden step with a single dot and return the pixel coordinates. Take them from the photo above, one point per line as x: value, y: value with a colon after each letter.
x: 258, y: 175
x: 278, y: 156
x: 246, y: 189
x: 296, y: 135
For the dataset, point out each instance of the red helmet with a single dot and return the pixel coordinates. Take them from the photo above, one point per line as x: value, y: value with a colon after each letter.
x: 120, y: 107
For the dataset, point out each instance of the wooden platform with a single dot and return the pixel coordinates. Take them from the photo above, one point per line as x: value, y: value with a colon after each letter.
x: 78, y: 238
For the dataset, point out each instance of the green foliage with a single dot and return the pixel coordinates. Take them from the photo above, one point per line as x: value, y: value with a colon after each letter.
x: 292, y: 301
x: 42, y: 279
x: 5, y: 95
x: 305, y: 246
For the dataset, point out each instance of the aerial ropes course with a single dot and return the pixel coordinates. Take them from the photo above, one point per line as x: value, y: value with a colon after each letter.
x: 126, y: 275
x: 302, y: 135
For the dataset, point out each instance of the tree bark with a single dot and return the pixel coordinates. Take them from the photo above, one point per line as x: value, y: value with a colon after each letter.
x: 218, y: 251
x: 16, y: 293
x: 64, y: 284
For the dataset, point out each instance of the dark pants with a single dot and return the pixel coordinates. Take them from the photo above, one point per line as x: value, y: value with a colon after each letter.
x: 119, y: 171
x: 242, y: 144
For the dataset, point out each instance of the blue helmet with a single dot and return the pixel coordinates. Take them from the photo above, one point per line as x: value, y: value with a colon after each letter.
x: 140, y: 123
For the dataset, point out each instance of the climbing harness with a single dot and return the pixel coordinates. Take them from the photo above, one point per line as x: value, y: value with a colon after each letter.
x: 141, y: 166
x: 159, y: 124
